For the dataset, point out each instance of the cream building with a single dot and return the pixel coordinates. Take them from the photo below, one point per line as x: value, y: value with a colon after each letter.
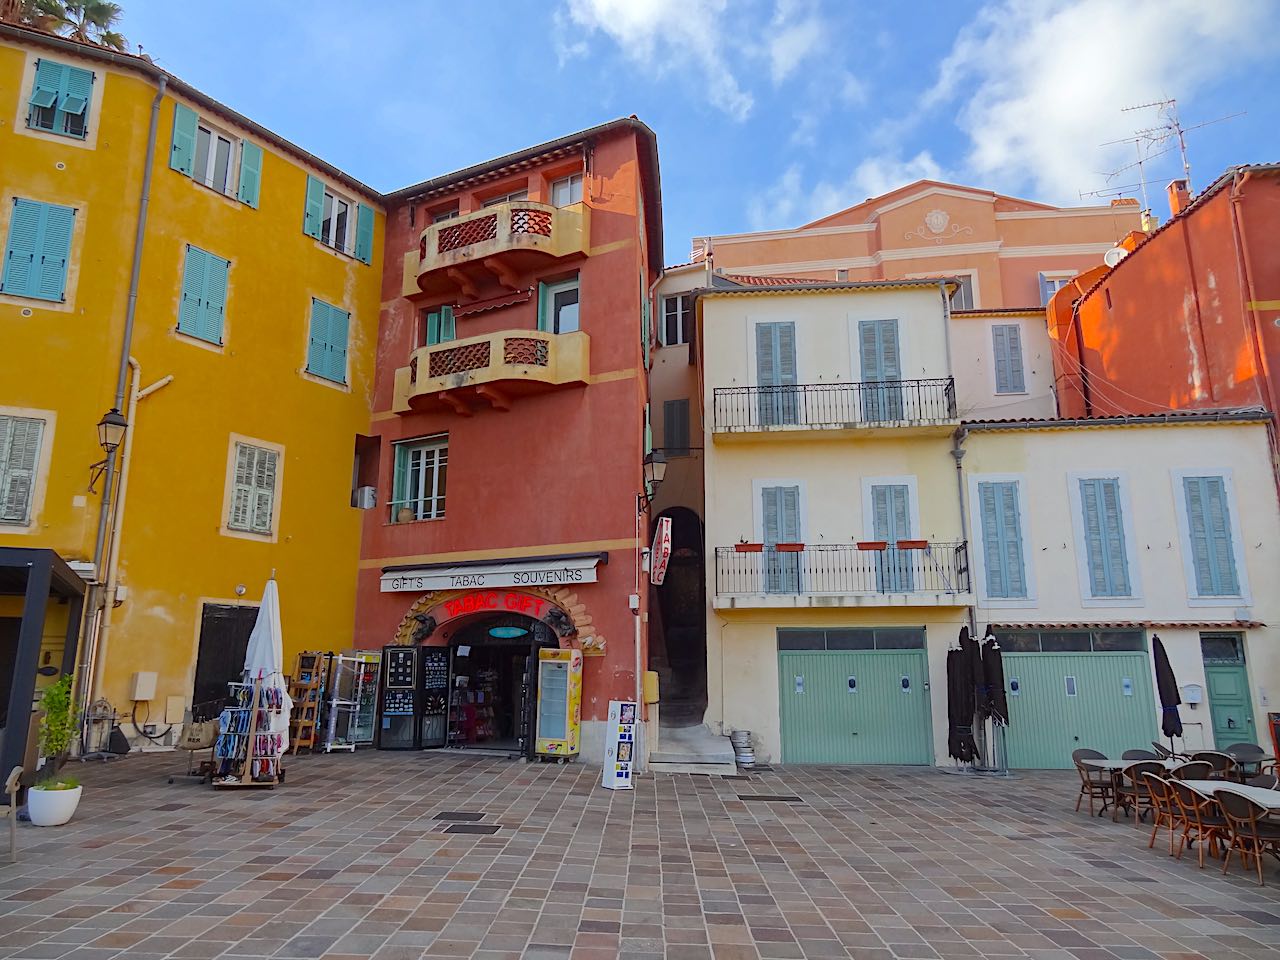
x: 866, y: 495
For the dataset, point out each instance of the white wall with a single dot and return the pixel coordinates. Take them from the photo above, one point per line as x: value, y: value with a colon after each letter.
x: 973, y: 359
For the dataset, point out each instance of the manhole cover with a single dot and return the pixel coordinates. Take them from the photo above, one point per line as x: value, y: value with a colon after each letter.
x: 485, y: 828
x: 466, y: 816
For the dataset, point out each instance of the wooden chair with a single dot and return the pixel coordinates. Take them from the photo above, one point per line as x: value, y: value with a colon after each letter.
x: 1165, y: 811
x: 1202, y: 821
x: 1093, y: 783
x: 1139, y: 755
x: 1192, y: 770
x: 1221, y: 763
x: 1131, y: 792
x: 11, y: 788
x: 1251, y: 832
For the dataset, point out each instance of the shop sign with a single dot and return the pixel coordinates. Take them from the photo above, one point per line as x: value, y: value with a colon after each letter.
x: 660, y: 555
x: 546, y: 573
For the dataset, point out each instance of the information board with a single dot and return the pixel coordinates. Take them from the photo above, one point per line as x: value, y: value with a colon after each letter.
x: 621, y: 744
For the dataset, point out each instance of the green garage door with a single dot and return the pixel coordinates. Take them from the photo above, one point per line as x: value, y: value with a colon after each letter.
x: 1098, y: 698
x: 841, y: 705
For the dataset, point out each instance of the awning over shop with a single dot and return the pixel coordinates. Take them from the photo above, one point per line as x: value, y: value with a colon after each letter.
x: 568, y: 570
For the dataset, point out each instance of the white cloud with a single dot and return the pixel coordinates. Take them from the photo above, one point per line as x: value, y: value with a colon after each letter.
x: 688, y: 30
x: 790, y: 202
x: 797, y: 32
x: 1046, y: 80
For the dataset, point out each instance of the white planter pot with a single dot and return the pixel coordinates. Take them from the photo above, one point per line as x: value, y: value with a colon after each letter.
x: 52, y: 808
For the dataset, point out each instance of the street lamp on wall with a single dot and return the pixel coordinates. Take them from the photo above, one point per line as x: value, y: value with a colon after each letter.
x: 655, y: 469
x: 111, y: 431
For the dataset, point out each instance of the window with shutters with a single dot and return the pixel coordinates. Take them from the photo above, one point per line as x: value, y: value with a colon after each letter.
x: 255, y: 487
x: 677, y: 319
x: 1101, y: 534
x: 202, y: 304
x: 338, y: 221
x: 1051, y: 283
x: 38, y: 250
x: 1006, y: 345
x: 214, y: 157
x: 880, y: 359
x: 327, y: 341
x: 558, y: 306
x: 60, y: 98
x: 19, y: 460
x: 421, y: 468
x: 675, y: 428
x: 777, y: 402
x: 999, y: 511
x: 889, y: 508
x: 780, y: 508
x: 438, y: 326
x: 1210, y: 536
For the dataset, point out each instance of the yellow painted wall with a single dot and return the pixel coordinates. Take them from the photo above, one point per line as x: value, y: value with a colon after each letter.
x: 64, y: 356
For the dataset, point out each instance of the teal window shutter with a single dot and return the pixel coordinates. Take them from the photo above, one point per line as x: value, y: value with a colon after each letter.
x: 648, y: 432
x: 327, y: 346
x: 182, y: 150
x: 250, y: 174
x: 433, y: 328
x: 214, y: 305
x: 1002, y: 540
x: 1212, y: 550
x: 447, y: 325
x: 364, y: 234
x: 544, y: 320
x: 38, y: 250
x: 73, y: 102
x: 1104, y: 538
x: 190, y: 304
x: 44, y: 94
x: 313, y: 213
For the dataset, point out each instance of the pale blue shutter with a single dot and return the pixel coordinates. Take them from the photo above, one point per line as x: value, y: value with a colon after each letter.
x: 1104, y: 538
x: 339, y: 326
x: 318, y: 337
x: 775, y: 372
x: 250, y: 174
x: 26, y: 228
x: 766, y: 354
x: 189, y: 303
x: 1212, y: 551
x: 869, y: 350
x: 327, y: 346
x: 313, y: 211
x: 182, y: 150
x: 44, y: 94
x: 73, y: 102
x: 1007, y: 341
x: 1046, y: 290
x: 781, y: 516
x: 55, y: 251
x: 214, y: 305
x: 881, y: 360
x: 364, y: 234
x: 1002, y: 540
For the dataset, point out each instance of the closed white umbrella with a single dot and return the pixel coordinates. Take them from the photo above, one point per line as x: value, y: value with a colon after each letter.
x: 264, y: 659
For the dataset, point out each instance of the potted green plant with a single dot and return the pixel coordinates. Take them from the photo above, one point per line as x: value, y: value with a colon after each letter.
x: 52, y: 801
x: 57, y: 725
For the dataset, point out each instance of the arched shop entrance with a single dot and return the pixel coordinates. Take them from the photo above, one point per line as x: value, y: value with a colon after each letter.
x: 681, y: 658
x: 493, y: 670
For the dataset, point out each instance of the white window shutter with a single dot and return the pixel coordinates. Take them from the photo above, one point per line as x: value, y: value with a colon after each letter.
x: 19, y: 455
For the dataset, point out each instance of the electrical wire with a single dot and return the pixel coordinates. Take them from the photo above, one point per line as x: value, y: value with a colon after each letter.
x: 1108, y: 390
x: 133, y: 714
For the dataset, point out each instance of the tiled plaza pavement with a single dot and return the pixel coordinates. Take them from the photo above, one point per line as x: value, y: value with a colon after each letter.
x: 347, y: 860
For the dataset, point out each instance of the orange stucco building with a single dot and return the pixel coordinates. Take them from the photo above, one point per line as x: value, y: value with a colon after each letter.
x: 1190, y: 318
x: 509, y: 416
x: 1006, y: 252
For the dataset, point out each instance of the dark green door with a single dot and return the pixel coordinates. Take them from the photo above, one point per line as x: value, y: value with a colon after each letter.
x: 1227, y: 688
x: 868, y: 706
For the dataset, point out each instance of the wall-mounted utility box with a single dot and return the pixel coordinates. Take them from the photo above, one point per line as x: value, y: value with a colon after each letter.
x: 143, y: 686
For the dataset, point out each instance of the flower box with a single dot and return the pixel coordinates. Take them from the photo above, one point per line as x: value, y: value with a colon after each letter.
x: 873, y: 545
x: 913, y: 544
x: 788, y: 547
x: 748, y: 547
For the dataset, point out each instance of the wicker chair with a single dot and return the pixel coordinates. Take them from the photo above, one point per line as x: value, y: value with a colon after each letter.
x: 1221, y: 763
x: 1201, y: 820
x: 1250, y: 759
x: 1131, y: 792
x: 1193, y: 770
x: 1138, y: 755
x: 1093, y: 783
x: 11, y: 787
x: 1251, y: 832
x: 1165, y: 810
x: 1268, y: 781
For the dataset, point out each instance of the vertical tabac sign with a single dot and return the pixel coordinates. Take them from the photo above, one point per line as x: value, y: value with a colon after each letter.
x: 660, y: 555
x: 620, y: 745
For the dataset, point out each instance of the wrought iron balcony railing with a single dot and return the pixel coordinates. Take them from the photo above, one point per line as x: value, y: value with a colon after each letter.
x: 834, y: 405
x: 907, y: 567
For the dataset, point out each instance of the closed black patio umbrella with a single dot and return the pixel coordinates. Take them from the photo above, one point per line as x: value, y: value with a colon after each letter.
x: 972, y: 651
x: 1167, y: 687
x: 993, y: 673
x: 960, y: 702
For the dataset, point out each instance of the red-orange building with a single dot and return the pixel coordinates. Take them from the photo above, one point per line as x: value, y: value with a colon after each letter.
x: 1190, y: 318
x: 509, y: 428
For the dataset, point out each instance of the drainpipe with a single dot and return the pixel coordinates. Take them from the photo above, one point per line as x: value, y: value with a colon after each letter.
x: 113, y: 556
x: 88, y: 632
x: 957, y: 453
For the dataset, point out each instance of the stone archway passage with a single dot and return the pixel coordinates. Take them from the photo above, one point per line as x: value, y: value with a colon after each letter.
x: 559, y: 607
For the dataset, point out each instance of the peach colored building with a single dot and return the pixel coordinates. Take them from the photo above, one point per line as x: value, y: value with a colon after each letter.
x: 1006, y: 252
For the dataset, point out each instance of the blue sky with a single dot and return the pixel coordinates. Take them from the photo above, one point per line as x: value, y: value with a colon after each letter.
x: 769, y: 113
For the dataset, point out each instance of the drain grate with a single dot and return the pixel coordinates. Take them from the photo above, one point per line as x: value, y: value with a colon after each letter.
x: 466, y: 816
x: 482, y: 828
x: 780, y: 797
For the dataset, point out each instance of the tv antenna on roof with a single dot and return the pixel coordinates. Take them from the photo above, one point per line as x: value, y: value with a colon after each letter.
x: 1153, y: 142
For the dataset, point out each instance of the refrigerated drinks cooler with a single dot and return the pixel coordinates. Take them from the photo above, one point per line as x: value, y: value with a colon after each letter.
x: 559, y: 714
x: 399, y: 703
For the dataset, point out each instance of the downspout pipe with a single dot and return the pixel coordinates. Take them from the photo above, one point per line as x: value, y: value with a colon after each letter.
x: 126, y: 344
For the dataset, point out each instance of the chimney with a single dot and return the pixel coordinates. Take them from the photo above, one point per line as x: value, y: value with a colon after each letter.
x: 1179, y: 196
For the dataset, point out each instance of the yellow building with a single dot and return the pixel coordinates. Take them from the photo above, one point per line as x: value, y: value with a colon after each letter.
x: 253, y: 307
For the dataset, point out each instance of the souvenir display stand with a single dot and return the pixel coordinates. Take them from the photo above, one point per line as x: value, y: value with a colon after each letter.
x: 248, y: 750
